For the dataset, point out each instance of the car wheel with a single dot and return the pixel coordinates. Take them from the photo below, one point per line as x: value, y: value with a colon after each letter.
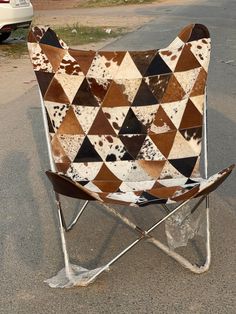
x: 4, y: 36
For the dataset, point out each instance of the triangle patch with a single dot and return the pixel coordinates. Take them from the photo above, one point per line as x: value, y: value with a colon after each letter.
x: 44, y: 80
x: 132, y: 125
x: 133, y: 143
x: 85, y: 116
x: 201, y: 50
x: 164, y: 142
x: 187, y: 79
x: 158, y: 85
x: 187, y: 60
x: 157, y: 66
x: 56, y: 93
x: 198, y: 102
x: 184, y: 165
x: 181, y: 148
x: 144, y: 96
x: 200, y: 84
x: 194, y: 138
x: 87, y: 153
x: 56, y: 113
x: 146, y: 114
x: 191, y: 117
x: 50, y: 38
x: 152, y: 168
x: 54, y: 55
x: 106, y: 174
x: 173, y: 92
x: 127, y: 69
x: 84, y: 96
x: 170, y: 57
x: 115, y: 96
x: 59, y: 154
x: 101, y: 126
x: 70, y: 124
x: 162, y: 123
x: 116, y: 116
x: 142, y: 59
x: 99, y: 88
x: 175, y: 111
x: 70, y: 84
x: 170, y: 172
x: 149, y: 151
x: 83, y: 58
x: 70, y: 144
x: 129, y: 88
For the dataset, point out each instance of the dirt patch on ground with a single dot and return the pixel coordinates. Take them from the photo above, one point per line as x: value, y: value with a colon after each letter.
x: 62, y: 4
x: 121, y: 16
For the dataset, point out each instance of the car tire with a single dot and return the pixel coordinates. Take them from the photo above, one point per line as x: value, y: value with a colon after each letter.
x: 4, y: 36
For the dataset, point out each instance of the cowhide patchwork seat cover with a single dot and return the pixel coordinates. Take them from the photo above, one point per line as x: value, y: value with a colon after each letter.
x: 126, y: 126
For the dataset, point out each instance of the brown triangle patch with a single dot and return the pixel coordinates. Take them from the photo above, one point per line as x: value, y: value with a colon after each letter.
x: 84, y: 58
x: 63, y: 167
x: 115, y: 96
x: 200, y: 84
x: 185, y: 34
x: 164, y: 192
x: 162, y: 123
x: 187, y: 60
x: 70, y: 124
x: 152, y: 168
x: 142, y: 59
x: 105, y: 174
x: 54, y: 55
x: 107, y: 186
x: 164, y: 141
x: 101, y: 126
x: 44, y: 80
x: 56, y: 93
x: 158, y: 85
x: 99, y: 87
x: 173, y: 92
x: 58, y: 152
x: 191, y: 117
x: 114, y: 56
x: 133, y: 143
x: 31, y: 38
x: 84, y: 96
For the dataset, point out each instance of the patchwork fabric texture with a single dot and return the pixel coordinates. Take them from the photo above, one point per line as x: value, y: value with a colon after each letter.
x: 126, y: 126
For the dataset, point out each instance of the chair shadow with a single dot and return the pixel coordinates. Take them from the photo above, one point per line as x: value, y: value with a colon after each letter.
x: 22, y: 227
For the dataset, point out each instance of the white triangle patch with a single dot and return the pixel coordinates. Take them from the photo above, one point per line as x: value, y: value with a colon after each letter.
x: 127, y: 69
x: 175, y: 111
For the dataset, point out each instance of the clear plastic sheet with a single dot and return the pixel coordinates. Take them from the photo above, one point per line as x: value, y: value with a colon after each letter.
x: 184, y: 225
x: 78, y: 276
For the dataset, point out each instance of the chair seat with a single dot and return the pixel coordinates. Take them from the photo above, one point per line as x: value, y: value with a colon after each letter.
x: 138, y: 194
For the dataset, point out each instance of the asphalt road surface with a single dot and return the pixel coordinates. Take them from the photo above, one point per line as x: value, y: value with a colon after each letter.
x: 145, y: 280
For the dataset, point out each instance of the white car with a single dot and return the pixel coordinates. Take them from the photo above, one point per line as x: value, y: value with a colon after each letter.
x: 14, y: 14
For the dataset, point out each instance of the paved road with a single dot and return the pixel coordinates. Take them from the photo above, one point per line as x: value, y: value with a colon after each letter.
x: 144, y: 281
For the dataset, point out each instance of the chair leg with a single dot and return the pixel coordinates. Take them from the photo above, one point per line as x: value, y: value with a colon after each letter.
x: 74, y: 275
x: 71, y: 275
x: 183, y: 261
x: 145, y: 234
x: 74, y: 221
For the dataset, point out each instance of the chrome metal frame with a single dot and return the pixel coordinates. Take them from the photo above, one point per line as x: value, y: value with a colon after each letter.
x: 143, y: 234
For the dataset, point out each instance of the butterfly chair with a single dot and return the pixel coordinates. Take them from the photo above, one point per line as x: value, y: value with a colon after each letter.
x: 125, y: 127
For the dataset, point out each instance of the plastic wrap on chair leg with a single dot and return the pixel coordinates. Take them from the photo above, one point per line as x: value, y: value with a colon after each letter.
x: 183, y: 226
x: 78, y: 276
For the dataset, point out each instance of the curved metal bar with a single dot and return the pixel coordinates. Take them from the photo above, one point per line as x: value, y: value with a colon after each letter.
x: 74, y: 221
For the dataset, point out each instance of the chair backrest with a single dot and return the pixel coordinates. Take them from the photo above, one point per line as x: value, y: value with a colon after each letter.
x: 131, y: 115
